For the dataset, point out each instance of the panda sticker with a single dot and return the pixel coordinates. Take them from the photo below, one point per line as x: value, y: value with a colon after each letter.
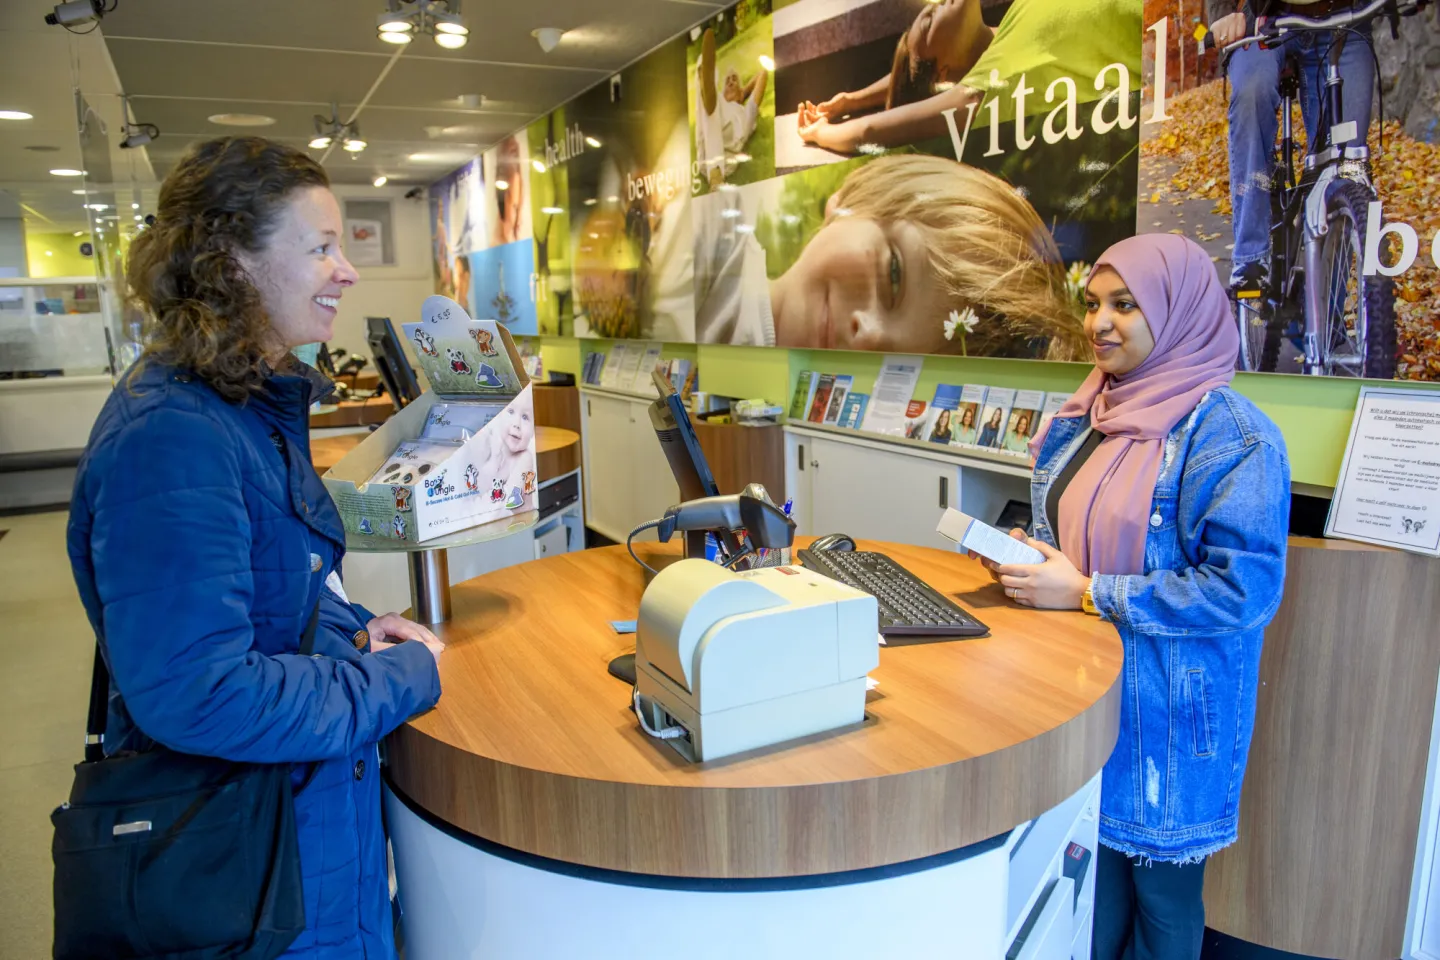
x: 425, y: 343
x: 458, y: 363
x: 472, y: 479
x: 497, y: 490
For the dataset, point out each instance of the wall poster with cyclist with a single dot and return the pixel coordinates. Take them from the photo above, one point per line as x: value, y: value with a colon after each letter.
x: 1320, y: 213
x: 936, y: 176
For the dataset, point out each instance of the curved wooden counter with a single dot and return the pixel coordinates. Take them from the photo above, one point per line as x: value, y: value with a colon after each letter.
x: 1330, y: 811
x: 534, y: 746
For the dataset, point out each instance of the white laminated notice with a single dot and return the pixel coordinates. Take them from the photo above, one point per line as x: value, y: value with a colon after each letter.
x: 985, y: 540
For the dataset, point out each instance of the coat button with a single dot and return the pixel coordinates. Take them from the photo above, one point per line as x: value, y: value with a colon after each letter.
x: 359, y: 769
x: 1156, y: 519
x: 361, y: 638
x: 315, y: 563
x: 305, y: 507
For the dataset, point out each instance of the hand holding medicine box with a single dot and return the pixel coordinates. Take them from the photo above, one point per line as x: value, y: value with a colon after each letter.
x: 462, y: 454
x: 981, y: 538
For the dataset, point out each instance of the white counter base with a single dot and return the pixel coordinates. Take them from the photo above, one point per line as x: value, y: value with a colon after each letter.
x: 460, y: 900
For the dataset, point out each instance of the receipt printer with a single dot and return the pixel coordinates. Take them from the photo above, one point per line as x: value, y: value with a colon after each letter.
x: 726, y: 662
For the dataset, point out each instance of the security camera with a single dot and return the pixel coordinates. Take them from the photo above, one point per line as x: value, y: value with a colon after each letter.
x: 139, y: 134
x: 615, y: 89
x: 75, y: 13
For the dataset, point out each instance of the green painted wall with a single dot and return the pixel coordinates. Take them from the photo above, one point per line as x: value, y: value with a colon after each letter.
x: 57, y: 255
x: 1314, y: 413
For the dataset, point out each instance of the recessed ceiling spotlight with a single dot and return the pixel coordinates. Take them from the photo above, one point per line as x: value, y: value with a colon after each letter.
x: 502, y: 184
x: 592, y: 141
x: 81, y: 193
x: 381, y: 181
x: 591, y: 202
x: 134, y: 206
x: 241, y: 119
x: 539, y: 167
x: 16, y: 115
x: 79, y: 233
x: 547, y: 37
x: 66, y: 172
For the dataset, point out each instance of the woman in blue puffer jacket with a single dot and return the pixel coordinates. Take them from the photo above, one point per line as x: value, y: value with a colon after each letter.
x: 201, y: 537
x: 1161, y: 501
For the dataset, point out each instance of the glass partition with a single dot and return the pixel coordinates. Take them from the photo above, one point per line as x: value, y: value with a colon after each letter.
x: 52, y: 328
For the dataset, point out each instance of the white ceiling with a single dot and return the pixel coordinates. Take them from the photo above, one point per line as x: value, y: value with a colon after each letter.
x: 183, y: 61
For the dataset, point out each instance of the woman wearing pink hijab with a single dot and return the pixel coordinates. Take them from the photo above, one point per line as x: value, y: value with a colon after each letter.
x: 1168, y: 494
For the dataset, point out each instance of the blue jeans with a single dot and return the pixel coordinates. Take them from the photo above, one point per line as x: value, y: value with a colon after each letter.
x: 1148, y: 911
x: 1254, y: 120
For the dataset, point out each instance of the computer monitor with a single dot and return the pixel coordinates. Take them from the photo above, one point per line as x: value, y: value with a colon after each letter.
x: 390, y: 361
x: 682, y: 448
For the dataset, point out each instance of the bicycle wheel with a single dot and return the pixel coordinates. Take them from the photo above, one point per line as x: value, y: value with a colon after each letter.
x: 1357, y: 330
x: 1252, y: 320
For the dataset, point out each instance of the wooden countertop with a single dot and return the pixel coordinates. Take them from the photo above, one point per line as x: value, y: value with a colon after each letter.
x: 534, y: 745
x: 557, y: 451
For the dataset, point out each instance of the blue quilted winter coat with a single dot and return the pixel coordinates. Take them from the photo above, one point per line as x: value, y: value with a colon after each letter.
x: 201, y: 538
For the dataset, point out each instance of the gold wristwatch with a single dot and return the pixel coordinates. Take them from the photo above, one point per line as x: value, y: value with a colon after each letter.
x: 1087, y: 599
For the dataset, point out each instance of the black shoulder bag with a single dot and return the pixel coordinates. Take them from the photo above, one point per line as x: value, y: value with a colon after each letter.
x: 168, y: 854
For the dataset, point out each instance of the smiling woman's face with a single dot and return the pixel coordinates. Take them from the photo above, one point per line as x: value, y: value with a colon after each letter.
x: 861, y: 284
x: 1116, y: 328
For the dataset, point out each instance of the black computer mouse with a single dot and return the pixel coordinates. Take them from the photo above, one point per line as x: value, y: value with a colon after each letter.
x: 834, y: 541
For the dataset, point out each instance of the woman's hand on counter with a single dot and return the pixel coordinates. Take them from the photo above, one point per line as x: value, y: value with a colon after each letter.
x: 1052, y: 585
x: 383, y: 628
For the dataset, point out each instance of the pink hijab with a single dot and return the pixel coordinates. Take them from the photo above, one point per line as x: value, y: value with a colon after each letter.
x: 1105, y: 511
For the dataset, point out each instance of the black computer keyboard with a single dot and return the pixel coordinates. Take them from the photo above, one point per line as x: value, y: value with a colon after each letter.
x: 909, y: 607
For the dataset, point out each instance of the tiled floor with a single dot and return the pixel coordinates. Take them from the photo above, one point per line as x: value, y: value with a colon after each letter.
x: 45, y: 662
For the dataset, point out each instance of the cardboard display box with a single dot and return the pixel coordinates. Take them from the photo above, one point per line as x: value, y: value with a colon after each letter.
x: 461, y: 455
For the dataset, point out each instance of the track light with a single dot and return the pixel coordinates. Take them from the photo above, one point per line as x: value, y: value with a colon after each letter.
x: 403, y: 20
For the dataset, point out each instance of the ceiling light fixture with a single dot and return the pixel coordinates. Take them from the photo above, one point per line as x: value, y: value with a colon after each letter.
x: 241, y: 119
x: 592, y: 141
x: 66, y: 172
x: 15, y: 115
x: 381, y: 181
x: 547, y: 37
x: 767, y: 63
x: 79, y: 233
x: 539, y: 167
x: 502, y: 184
x: 330, y: 130
x: 552, y: 210
x: 440, y: 20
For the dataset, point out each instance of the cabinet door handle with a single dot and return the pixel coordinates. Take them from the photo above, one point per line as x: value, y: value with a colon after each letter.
x: 944, y: 493
x: 800, y: 463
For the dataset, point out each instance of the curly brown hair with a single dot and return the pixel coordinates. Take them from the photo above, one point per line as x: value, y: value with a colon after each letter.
x: 203, y: 313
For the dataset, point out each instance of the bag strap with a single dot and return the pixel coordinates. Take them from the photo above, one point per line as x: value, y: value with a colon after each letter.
x: 99, y: 713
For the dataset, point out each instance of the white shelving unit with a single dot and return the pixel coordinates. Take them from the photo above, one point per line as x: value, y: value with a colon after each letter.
x: 883, y: 488
x: 627, y: 478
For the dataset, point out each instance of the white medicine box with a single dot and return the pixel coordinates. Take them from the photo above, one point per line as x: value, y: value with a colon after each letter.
x: 461, y: 455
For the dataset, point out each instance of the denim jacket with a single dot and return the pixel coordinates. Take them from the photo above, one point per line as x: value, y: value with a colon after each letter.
x: 1191, y: 625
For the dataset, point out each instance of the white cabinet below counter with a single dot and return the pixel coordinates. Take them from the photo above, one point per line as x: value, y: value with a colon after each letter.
x: 879, y: 488
x: 627, y: 478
